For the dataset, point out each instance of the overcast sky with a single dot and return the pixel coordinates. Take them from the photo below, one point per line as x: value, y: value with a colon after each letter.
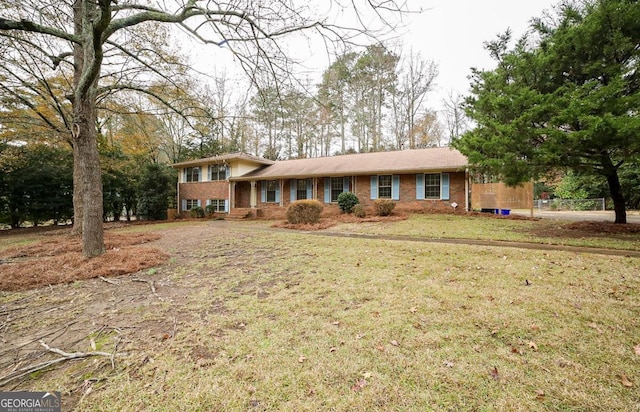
x: 449, y: 32
x: 452, y: 33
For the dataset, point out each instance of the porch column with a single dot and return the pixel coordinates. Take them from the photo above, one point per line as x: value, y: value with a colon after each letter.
x: 281, y: 192
x: 253, y: 199
x: 232, y: 196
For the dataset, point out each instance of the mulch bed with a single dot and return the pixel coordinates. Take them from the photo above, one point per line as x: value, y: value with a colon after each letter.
x: 604, y: 227
x: 59, y: 259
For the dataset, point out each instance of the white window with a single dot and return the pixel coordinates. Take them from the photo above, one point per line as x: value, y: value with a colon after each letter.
x: 192, y: 174
x: 217, y: 172
x: 432, y: 186
x: 217, y: 205
x: 271, y: 190
x: 191, y: 203
x: 301, y: 191
x: 384, y: 187
x: 337, y: 187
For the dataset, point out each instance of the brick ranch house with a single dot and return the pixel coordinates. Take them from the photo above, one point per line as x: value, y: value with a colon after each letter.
x: 245, y: 185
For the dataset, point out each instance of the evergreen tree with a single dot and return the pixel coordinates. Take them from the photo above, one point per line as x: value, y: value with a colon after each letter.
x: 566, y: 95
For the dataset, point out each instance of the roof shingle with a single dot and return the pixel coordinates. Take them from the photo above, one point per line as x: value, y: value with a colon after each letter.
x: 225, y: 157
x: 404, y: 161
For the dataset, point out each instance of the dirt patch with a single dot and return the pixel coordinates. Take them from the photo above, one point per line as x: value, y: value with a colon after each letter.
x: 58, y: 259
x: 588, y: 229
x: 604, y: 227
x: 330, y: 221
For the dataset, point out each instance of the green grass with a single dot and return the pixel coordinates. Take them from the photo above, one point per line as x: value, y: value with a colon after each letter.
x: 12, y: 240
x: 273, y: 320
x: 483, y: 228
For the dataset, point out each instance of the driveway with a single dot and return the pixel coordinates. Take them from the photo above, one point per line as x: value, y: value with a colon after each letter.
x: 633, y: 216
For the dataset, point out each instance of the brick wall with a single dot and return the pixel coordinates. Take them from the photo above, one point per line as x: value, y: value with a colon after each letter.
x: 362, y: 189
x: 203, y: 191
x: 408, y: 200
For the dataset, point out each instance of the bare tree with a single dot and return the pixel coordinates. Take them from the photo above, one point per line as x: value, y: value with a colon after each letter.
x: 416, y: 81
x: 85, y: 35
x: 427, y: 131
x: 455, y: 118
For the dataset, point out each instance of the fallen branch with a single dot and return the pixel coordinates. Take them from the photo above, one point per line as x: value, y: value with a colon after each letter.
x: 151, y: 285
x: 65, y: 357
x: 28, y: 370
x: 73, y: 355
x: 113, y: 282
x: 62, y: 328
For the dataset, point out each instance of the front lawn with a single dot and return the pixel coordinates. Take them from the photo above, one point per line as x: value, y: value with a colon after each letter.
x: 589, y: 234
x: 242, y: 319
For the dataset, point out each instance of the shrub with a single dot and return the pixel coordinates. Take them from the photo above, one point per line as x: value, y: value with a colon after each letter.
x: 346, y: 201
x: 304, y: 211
x: 197, y: 212
x: 384, y: 207
x: 156, y: 189
x: 210, y: 210
x: 359, y: 211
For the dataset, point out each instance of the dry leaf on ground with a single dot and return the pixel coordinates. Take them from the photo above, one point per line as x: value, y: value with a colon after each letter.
x: 625, y: 381
x: 359, y: 385
x: 494, y: 373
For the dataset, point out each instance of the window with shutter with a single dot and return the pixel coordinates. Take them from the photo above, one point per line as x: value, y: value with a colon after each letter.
x: 384, y: 186
x: 272, y: 188
x: 301, y: 189
x: 432, y: 186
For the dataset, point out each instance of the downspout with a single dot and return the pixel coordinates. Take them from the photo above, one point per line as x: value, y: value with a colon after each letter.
x: 231, y: 192
x: 466, y: 189
x: 179, y: 205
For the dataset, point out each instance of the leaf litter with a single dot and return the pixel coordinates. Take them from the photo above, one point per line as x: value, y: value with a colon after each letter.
x: 59, y: 260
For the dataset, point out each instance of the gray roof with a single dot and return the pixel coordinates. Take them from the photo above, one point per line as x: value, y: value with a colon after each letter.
x: 438, y: 159
x: 226, y: 157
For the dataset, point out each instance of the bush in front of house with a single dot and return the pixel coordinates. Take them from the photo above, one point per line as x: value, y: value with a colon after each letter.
x: 384, y: 207
x: 304, y: 211
x: 210, y: 210
x: 359, y: 211
x: 346, y: 201
x: 197, y: 212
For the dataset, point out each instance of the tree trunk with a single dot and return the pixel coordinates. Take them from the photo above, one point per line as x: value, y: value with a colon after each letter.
x: 619, y: 204
x: 87, y: 179
x: 88, y: 175
x: 77, y: 196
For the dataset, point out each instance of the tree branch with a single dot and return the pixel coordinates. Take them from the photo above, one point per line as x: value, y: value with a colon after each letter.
x: 29, y: 26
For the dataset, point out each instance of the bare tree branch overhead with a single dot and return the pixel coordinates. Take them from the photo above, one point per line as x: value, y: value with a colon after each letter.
x: 111, y: 47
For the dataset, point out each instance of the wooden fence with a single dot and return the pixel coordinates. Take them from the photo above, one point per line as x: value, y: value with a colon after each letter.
x: 500, y: 196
